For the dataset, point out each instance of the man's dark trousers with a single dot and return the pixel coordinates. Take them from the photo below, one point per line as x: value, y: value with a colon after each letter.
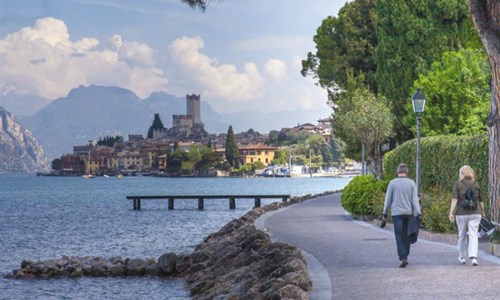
x: 401, y: 232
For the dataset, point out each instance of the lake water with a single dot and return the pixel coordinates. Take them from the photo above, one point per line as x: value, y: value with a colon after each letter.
x: 48, y: 217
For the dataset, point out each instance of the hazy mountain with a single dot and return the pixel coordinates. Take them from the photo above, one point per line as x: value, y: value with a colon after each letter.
x: 85, y: 114
x: 23, y: 105
x: 89, y: 113
x: 19, y: 150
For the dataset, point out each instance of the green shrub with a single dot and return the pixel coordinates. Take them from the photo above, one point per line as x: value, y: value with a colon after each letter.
x: 435, y: 206
x: 364, y: 195
x: 379, y: 197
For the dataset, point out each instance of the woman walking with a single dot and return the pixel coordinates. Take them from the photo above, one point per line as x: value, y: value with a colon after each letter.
x: 466, y: 209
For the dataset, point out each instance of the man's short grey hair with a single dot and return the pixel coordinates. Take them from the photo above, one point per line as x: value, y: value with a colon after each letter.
x: 402, y: 168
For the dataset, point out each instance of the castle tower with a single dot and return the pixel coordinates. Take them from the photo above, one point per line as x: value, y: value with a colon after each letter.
x: 193, y: 108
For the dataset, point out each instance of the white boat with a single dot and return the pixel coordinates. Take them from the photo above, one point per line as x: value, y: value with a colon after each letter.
x: 88, y: 176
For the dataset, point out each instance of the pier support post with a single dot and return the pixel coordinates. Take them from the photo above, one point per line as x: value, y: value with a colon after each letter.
x: 136, y: 203
x: 170, y: 203
x: 200, y: 204
x: 232, y: 203
x: 257, y: 202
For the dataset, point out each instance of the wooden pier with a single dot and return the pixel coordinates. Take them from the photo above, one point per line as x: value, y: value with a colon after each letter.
x: 136, y: 200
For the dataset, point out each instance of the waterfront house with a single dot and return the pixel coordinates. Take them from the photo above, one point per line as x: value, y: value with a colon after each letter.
x: 254, y: 153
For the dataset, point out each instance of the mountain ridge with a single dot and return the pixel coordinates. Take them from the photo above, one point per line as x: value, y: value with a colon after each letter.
x: 90, y: 112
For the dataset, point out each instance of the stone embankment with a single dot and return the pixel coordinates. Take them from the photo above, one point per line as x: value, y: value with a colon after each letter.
x: 237, y: 262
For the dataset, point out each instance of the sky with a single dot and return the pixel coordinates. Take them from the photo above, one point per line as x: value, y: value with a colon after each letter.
x: 238, y: 55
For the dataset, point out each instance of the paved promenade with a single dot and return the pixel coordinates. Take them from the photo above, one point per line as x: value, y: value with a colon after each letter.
x: 350, y: 259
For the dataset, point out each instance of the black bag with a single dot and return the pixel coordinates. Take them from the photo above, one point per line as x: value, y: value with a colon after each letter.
x: 486, y: 228
x: 470, y: 199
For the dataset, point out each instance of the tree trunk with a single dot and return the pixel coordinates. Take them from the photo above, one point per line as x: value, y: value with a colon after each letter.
x: 486, y: 17
x: 375, y: 160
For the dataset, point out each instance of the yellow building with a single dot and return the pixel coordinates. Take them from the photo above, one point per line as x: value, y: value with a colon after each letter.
x: 254, y: 153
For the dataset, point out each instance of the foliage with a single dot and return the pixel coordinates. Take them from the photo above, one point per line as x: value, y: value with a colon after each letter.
x: 411, y: 35
x: 208, y: 160
x: 280, y: 157
x: 175, y: 159
x: 344, y: 42
x: 201, y: 4
x: 337, y: 149
x: 157, y: 124
x: 258, y: 165
x: 110, y: 141
x: 362, y: 196
x: 441, y: 158
x: 435, y: 206
x: 291, y: 137
x: 232, y: 152
x: 458, y: 93
x: 367, y: 119
x: 56, y: 164
x: 248, y: 168
x: 320, y: 148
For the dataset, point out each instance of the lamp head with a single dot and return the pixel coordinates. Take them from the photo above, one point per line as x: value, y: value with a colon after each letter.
x: 418, y: 100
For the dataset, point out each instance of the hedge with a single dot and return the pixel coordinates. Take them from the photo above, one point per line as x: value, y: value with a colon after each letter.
x: 441, y: 158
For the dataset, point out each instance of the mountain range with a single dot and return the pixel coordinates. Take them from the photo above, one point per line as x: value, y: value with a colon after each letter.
x: 91, y: 112
x: 19, y: 150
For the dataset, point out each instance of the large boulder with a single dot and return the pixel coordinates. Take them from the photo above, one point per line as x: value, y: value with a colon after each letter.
x: 166, y: 263
x: 136, y: 267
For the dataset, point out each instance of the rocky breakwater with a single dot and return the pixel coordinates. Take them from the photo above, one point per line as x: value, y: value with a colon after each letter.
x: 74, y: 267
x: 237, y: 262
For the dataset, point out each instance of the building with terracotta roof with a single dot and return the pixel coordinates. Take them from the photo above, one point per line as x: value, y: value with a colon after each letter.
x: 254, y: 153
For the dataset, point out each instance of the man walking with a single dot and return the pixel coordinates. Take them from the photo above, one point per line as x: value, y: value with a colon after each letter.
x: 402, y: 199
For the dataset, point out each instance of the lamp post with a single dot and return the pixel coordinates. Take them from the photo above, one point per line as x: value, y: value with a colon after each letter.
x: 418, y: 100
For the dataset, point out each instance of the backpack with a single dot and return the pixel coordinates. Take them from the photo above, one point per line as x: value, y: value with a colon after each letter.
x: 470, y: 199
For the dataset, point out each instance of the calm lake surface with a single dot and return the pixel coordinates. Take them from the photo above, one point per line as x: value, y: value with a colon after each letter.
x: 48, y: 217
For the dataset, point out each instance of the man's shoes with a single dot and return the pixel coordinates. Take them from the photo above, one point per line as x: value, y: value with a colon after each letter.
x: 461, y: 260
x: 473, y: 260
x: 403, y: 263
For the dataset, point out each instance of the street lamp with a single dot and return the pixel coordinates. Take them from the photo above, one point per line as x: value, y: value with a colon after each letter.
x: 418, y: 100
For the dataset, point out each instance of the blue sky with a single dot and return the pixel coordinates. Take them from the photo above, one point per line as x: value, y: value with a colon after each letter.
x: 237, y: 54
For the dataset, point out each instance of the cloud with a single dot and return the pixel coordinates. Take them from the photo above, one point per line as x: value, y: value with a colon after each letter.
x: 218, y: 80
x: 42, y: 60
x: 276, y: 69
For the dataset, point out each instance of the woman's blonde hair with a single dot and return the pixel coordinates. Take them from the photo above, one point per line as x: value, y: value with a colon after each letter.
x: 466, y: 172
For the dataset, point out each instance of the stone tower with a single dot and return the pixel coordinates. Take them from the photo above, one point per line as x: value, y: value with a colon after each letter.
x: 193, y: 108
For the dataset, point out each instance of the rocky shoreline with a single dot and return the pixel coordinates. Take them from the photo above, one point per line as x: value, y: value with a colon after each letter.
x: 237, y: 262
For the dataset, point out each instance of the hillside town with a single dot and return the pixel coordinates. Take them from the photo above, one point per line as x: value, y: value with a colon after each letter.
x: 155, y: 153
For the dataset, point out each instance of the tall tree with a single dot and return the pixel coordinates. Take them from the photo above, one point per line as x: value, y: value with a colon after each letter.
x: 232, y: 151
x: 344, y: 42
x: 157, y: 124
x: 367, y: 119
x: 486, y: 16
x: 411, y: 35
x: 459, y: 92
